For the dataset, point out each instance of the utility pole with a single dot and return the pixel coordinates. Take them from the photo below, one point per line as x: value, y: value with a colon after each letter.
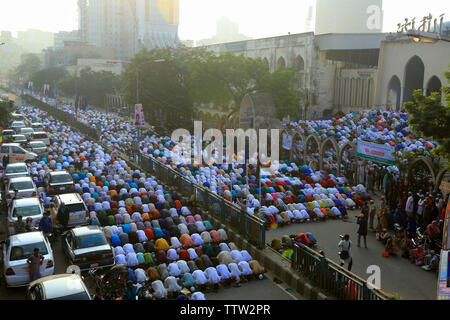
x: 137, y: 86
x: 76, y: 91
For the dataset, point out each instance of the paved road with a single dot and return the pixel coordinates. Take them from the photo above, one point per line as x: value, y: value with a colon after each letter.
x: 398, y: 275
x: 265, y: 289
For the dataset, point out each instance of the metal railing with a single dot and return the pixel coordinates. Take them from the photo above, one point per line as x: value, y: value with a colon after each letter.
x: 228, y: 213
x: 332, y: 278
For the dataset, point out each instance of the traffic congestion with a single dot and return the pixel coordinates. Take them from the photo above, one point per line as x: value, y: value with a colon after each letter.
x: 123, y: 234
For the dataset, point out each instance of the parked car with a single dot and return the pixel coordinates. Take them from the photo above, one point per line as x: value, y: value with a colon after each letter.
x: 17, y: 153
x: 15, y: 252
x: 17, y: 116
x: 78, y: 212
x: 22, y: 187
x: 17, y: 125
x: 88, y: 248
x: 57, y: 182
x: 41, y: 136
x: 38, y: 147
x: 14, y: 170
x: 58, y: 287
x: 20, y: 138
x: 7, y: 135
x: 37, y: 126
x: 27, y: 132
x: 27, y: 208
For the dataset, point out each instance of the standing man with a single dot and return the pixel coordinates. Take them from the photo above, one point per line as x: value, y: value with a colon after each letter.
x: 63, y: 216
x: 362, y: 230
x: 372, y: 213
x: 19, y: 226
x: 365, y: 209
x: 45, y: 225
x: 409, y: 208
x: 34, y: 263
x: 420, y: 207
x: 5, y: 160
x: 370, y: 182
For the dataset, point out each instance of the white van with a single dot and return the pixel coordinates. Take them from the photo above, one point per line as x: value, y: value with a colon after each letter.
x: 17, y: 153
x: 78, y: 212
x: 41, y: 136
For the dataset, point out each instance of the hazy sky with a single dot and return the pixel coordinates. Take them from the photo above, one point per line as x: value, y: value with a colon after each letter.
x: 256, y: 18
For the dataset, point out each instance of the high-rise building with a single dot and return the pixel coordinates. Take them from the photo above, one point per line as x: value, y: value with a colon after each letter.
x: 64, y: 36
x: 128, y: 25
x: 157, y: 23
x: 349, y: 16
x: 226, y: 31
x: 34, y: 41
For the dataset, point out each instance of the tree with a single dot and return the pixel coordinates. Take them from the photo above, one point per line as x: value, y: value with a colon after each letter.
x: 431, y: 118
x: 91, y: 84
x: 51, y: 76
x: 29, y: 65
x: 280, y: 85
x: 228, y: 78
x: 187, y: 77
x: 6, y: 108
x: 162, y: 76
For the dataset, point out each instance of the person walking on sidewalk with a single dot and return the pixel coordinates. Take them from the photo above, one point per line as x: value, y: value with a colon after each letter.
x: 345, y: 253
x: 362, y: 230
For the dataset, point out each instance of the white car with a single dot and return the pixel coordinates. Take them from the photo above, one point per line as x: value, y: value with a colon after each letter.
x: 37, y: 126
x: 58, y: 287
x: 38, y: 147
x: 19, y: 138
x: 17, y: 125
x: 27, y: 132
x: 27, y: 208
x: 15, y: 252
x: 41, y: 136
x: 14, y: 170
x: 24, y: 186
x: 17, y: 116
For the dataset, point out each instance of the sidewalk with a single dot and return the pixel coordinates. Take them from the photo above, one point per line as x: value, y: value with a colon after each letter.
x: 398, y: 275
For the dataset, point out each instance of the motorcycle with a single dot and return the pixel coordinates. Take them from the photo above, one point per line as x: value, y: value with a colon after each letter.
x: 143, y: 292
x: 419, y: 238
x: 111, y: 282
x: 398, y: 233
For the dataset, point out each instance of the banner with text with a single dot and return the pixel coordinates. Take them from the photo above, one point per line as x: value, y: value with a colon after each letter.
x: 376, y: 152
x: 139, y: 116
